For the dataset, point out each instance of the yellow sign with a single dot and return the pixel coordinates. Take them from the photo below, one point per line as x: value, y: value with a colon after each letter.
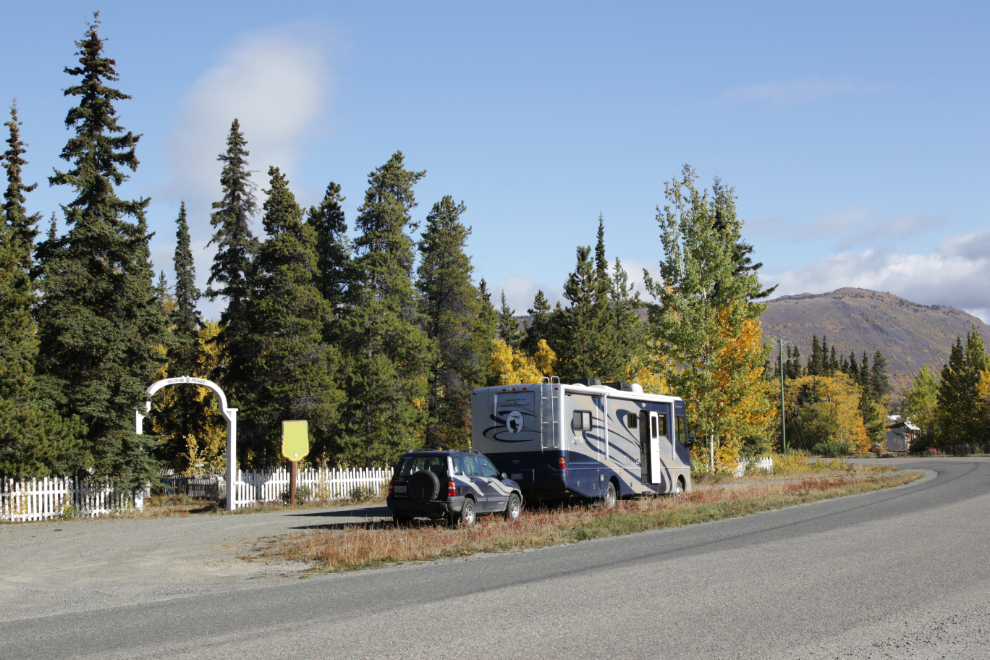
x: 295, y: 440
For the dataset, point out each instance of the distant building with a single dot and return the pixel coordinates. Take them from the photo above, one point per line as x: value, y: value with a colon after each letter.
x: 900, y: 433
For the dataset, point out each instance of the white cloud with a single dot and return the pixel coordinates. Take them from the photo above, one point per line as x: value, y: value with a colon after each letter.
x: 850, y: 227
x: 520, y: 290
x: 797, y: 90
x: 278, y: 87
x: 954, y: 274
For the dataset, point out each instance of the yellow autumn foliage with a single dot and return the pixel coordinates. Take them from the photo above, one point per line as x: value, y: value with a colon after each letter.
x: 841, y: 395
x: 738, y: 397
x: 515, y: 367
x: 205, y: 449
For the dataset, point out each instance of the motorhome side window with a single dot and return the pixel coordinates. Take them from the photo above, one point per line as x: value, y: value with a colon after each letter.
x: 681, y: 428
x: 632, y: 420
x: 582, y: 420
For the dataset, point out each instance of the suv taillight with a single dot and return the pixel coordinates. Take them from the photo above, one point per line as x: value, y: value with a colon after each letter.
x: 451, y: 489
x: 391, y: 486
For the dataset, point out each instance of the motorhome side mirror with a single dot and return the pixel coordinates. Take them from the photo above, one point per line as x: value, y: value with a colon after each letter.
x: 505, y: 476
x: 691, y: 438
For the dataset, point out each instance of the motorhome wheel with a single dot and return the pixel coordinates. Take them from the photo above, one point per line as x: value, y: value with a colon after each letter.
x: 610, y: 496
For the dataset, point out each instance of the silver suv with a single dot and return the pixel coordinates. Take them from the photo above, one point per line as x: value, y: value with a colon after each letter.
x: 456, y: 484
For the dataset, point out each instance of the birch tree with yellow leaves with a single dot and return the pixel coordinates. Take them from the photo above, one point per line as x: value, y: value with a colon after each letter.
x: 705, y: 321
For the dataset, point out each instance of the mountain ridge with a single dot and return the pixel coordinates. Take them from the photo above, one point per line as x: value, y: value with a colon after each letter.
x: 907, y: 333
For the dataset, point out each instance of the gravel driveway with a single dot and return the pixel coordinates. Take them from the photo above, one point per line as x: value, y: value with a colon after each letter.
x: 68, y: 566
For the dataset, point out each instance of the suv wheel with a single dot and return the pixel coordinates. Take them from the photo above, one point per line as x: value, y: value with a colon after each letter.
x: 424, y: 486
x: 468, y: 513
x: 513, y: 508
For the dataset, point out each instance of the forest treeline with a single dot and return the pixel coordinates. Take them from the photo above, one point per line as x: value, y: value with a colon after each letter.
x: 375, y: 337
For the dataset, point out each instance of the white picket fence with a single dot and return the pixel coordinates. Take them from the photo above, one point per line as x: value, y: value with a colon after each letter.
x: 256, y: 486
x: 765, y: 464
x: 43, y: 499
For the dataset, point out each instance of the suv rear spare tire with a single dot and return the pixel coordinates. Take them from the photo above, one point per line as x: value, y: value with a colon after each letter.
x: 424, y: 486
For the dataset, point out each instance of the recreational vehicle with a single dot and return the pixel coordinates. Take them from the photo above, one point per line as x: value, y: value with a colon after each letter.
x: 583, y: 439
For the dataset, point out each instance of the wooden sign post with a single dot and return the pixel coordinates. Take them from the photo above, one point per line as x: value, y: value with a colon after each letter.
x: 295, y: 447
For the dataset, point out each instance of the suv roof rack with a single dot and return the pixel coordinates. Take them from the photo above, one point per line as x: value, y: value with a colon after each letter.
x: 467, y: 451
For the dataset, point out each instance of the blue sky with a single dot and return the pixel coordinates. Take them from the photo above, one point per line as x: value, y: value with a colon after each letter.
x: 854, y: 133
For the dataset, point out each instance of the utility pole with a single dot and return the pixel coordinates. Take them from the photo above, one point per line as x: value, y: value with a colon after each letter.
x: 780, y: 362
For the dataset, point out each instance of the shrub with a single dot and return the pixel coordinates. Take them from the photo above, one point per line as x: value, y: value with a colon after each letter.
x: 303, y: 494
x: 832, y: 449
x: 361, y: 493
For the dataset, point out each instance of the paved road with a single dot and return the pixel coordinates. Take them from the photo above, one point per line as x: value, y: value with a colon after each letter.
x: 897, y: 574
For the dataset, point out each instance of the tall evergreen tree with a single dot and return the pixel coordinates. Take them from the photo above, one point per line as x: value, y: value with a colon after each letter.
x: 333, y: 250
x: 958, y: 397
x: 450, y: 305
x: 18, y: 344
x: 181, y: 407
x: 853, y: 370
x: 236, y: 246
x: 186, y: 319
x: 100, y: 324
x: 34, y: 442
x: 290, y: 371
x: 387, y: 352
x: 815, y: 362
x: 487, y: 316
x: 880, y: 387
x: 23, y: 227
x: 630, y: 336
x: 508, y: 326
x: 590, y: 349
x: 539, y: 324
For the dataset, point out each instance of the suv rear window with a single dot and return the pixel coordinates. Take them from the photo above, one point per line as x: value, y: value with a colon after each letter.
x: 410, y: 465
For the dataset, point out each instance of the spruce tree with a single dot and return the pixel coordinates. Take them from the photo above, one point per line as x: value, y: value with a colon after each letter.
x: 814, y: 367
x: 589, y: 349
x: 450, y: 306
x: 853, y: 369
x: 386, y: 350
x: 34, y: 442
x: 23, y: 227
x: 539, y: 325
x: 290, y: 370
x: 100, y: 325
x: 186, y: 319
x: 880, y: 387
x: 180, y: 407
x: 333, y: 250
x: 630, y: 337
x: 508, y: 326
x: 236, y: 246
x: 958, y: 398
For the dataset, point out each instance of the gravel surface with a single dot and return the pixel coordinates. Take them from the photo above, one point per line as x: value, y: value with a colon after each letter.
x: 71, y: 566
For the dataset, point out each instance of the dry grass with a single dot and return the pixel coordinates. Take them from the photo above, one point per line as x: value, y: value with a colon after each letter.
x: 376, y: 544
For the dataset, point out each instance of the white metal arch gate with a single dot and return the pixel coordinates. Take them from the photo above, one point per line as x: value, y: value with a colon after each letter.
x: 230, y: 414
